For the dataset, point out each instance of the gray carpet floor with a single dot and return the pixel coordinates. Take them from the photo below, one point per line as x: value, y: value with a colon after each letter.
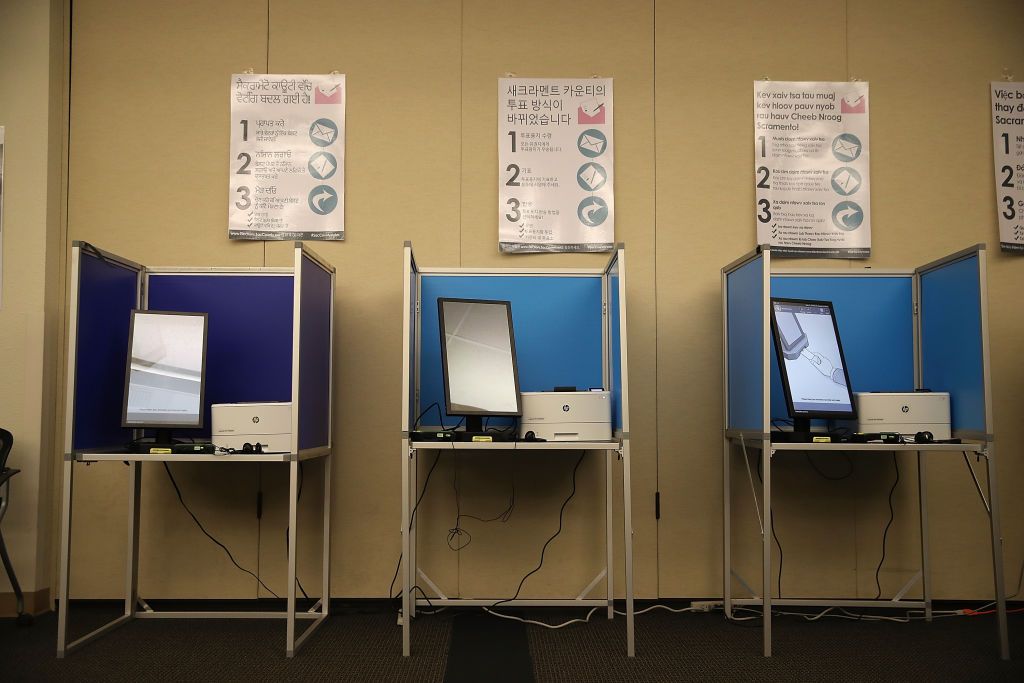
x: 363, y: 643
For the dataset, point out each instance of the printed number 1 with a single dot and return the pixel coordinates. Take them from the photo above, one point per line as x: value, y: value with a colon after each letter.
x: 760, y: 138
x: 245, y: 129
x: 512, y: 133
x: 1006, y: 142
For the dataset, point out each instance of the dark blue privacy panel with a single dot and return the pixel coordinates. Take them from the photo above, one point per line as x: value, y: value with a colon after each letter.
x: 315, y: 303
x: 875, y: 315
x: 107, y: 293
x: 745, y: 321
x: 557, y: 323
x: 249, y: 340
x: 616, y: 350
x: 951, y: 340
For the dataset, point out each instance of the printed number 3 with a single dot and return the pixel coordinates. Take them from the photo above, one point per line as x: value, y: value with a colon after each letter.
x: 514, y: 214
x: 244, y: 202
x: 765, y: 214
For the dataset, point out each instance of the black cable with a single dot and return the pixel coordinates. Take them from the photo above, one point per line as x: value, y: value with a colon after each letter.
x: 505, y: 514
x: 774, y: 535
x: 457, y: 533
x: 885, y: 534
x: 823, y: 475
x: 543, y: 549
x: 207, y: 533
x: 412, y: 517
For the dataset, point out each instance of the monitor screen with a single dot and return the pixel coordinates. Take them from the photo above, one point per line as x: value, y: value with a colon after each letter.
x: 811, y: 362
x: 478, y: 356
x: 164, y: 380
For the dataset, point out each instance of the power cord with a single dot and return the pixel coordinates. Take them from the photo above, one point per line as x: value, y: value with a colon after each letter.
x: 775, y: 536
x: 561, y: 513
x: 458, y: 532
x: 885, y: 534
x: 412, y: 517
x: 208, y: 535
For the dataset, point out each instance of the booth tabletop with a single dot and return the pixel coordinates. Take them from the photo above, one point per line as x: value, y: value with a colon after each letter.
x: 111, y: 455
x: 876, y: 447
x: 517, y: 445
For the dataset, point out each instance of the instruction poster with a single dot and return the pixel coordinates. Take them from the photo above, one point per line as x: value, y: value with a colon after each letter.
x: 811, y: 168
x: 1008, y: 148
x: 556, y: 168
x: 287, y: 165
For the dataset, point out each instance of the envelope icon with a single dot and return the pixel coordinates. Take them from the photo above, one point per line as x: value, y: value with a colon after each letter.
x: 591, y: 111
x: 323, y: 133
x: 327, y: 94
x: 591, y: 176
x: 323, y: 166
x: 857, y: 106
x: 592, y: 144
x: 846, y: 181
x: 846, y: 148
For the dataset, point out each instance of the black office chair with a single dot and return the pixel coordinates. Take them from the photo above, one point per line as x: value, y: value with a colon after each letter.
x: 6, y: 443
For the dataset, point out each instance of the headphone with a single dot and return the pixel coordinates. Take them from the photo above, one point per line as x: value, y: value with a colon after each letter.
x: 252, y: 448
x: 924, y: 437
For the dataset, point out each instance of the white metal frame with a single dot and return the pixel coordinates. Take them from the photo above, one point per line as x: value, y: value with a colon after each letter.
x: 762, y: 441
x: 134, y: 606
x: 617, y: 448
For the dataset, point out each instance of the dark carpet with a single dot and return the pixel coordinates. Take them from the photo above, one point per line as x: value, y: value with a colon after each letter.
x: 362, y: 642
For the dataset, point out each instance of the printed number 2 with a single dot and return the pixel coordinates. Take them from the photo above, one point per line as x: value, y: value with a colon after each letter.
x: 244, y: 168
x: 1008, y: 180
x: 763, y: 181
x: 513, y: 215
x: 765, y: 214
x: 244, y: 202
x: 512, y: 182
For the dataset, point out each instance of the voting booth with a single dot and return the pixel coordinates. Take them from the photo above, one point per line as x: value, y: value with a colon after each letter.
x: 270, y: 337
x: 570, y: 330
x: 902, y: 330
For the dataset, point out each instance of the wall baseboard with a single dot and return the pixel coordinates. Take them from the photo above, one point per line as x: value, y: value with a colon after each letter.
x: 35, y: 603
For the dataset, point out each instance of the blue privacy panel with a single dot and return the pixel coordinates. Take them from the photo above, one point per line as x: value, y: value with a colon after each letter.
x: 249, y: 336
x: 745, y: 321
x: 557, y: 324
x: 876, y: 327
x: 951, y: 343
x: 316, y: 301
x: 616, y: 351
x: 107, y: 293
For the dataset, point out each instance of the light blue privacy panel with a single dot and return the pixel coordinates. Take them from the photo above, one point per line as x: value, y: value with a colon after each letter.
x: 107, y: 293
x: 557, y: 326
x: 315, y: 301
x: 744, y: 292
x: 875, y: 316
x: 951, y: 342
x: 616, y: 350
x: 249, y: 332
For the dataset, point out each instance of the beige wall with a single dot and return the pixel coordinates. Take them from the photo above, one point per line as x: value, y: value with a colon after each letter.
x: 421, y: 167
x: 31, y: 105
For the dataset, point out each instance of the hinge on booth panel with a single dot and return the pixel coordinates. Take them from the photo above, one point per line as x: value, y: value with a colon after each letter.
x: 657, y: 505
x: 915, y: 308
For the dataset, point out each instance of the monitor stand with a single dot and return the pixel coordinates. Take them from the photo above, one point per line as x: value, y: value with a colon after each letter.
x: 162, y: 438
x: 801, y: 430
x: 475, y: 428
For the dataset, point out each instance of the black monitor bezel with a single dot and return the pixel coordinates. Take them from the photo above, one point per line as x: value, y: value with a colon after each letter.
x: 784, y: 375
x: 128, y: 373
x: 444, y: 358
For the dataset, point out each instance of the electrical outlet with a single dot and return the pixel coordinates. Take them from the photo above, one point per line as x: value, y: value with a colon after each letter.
x: 400, y: 622
x: 706, y: 605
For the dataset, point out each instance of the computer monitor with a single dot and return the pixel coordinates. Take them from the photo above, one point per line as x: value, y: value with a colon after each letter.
x: 165, y: 377
x: 815, y: 379
x: 478, y: 357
